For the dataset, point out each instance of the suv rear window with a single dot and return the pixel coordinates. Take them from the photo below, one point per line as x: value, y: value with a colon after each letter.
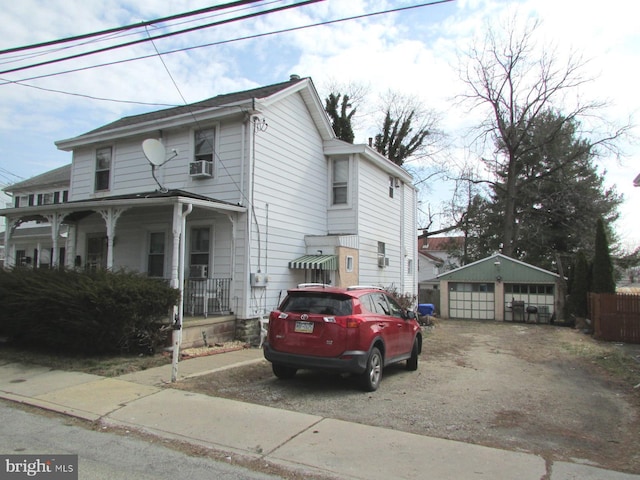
x: 319, y: 303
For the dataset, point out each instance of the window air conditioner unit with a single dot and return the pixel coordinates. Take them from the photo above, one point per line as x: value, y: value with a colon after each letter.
x: 201, y: 169
x: 383, y: 261
x: 198, y: 271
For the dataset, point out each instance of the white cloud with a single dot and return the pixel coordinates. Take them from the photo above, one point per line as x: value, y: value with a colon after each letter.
x: 413, y: 52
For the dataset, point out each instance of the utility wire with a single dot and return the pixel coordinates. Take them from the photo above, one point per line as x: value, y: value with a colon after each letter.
x: 166, y: 35
x: 129, y: 27
x: 221, y: 42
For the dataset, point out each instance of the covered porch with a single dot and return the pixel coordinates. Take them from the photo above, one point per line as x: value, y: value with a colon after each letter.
x: 187, y: 240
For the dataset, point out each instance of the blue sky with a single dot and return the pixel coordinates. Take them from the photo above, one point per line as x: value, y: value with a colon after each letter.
x: 413, y: 52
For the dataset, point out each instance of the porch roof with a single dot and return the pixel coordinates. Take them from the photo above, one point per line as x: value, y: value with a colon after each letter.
x: 315, y: 262
x: 155, y: 198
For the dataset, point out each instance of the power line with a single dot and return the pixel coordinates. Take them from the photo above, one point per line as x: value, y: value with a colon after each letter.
x: 129, y: 27
x: 166, y: 35
x: 222, y: 42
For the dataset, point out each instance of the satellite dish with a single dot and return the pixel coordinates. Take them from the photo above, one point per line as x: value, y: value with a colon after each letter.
x: 154, y: 151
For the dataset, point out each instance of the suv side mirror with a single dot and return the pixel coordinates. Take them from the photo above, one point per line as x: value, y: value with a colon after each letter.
x: 409, y: 315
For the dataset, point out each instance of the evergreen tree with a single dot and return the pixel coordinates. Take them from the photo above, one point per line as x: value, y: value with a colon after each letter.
x: 579, y: 286
x: 340, y: 121
x: 602, y: 280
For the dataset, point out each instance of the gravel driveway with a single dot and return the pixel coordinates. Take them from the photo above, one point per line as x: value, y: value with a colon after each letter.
x: 532, y: 388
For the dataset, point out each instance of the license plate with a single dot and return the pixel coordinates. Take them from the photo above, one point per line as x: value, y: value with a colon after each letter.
x: 304, y: 327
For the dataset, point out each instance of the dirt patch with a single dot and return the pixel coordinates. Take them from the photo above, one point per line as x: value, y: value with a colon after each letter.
x: 542, y: 389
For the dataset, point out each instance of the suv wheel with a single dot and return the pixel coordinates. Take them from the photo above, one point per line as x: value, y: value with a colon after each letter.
x: 283, y: 372
x: 412, y: 362
x: 373, y: 374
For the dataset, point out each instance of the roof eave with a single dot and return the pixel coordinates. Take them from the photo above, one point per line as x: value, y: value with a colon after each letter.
x: 339, y: 147
x: 213, y: 113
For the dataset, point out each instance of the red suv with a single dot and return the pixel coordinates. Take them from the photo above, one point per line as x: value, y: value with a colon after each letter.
x: 359, y: 330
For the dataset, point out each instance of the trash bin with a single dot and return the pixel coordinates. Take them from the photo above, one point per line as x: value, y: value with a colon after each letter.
x: 426, y: 309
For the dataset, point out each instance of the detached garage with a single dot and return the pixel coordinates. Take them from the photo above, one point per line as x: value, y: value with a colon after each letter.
x: 500, y: 288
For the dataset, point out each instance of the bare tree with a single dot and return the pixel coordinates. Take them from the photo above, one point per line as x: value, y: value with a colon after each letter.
x: 516, y: 82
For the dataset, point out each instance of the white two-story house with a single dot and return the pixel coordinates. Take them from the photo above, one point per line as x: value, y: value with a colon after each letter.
x: 255, y: 195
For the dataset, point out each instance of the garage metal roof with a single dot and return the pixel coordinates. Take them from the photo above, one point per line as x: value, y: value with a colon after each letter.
x: 508, y: 269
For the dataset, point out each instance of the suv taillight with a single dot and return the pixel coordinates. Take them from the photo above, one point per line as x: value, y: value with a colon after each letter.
x: 352, y: 322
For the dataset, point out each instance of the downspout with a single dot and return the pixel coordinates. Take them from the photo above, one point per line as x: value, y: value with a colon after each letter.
x: 403, y: 248
x: 177, y: 326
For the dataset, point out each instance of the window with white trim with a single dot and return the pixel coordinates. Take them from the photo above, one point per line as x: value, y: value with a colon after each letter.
x: 203, y: 145
x: 103, y: 168
x: 339, y: 181
x: 349, y: 263
x: 155, y: 265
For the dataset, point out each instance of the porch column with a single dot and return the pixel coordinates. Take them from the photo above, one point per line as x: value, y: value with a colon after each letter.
x: 9, y: 247
x: 110, y: 217
x: 55, y: 219
x: 9, y: 259
x: 70, y: 246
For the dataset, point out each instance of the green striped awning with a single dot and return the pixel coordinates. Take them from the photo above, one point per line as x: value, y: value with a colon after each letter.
x: 315, y: 262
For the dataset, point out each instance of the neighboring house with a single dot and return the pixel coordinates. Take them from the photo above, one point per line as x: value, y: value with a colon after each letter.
x: 31, y: 235
x: 501, y: 288
x: 435, y: 257
x: 260, y: 189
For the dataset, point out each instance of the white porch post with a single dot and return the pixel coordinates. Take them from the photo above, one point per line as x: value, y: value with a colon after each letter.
x: 177, y: 279
x: 110, y: 217
x: 55, y: 219
x: 70, y: 246
x: 9, y: 250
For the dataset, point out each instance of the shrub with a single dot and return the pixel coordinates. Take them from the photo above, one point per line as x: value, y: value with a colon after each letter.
x: 72, y: 311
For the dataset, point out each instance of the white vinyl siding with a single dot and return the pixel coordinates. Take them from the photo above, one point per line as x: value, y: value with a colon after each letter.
x: 290, y: 192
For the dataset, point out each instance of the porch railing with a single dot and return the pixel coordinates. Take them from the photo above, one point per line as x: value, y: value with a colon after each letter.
x: 207, y: 296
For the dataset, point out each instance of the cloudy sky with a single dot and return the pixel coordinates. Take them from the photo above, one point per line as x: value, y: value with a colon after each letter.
x: 414, y: 51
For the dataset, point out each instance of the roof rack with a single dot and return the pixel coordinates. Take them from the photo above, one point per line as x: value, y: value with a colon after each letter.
x: 362, y: 287
x: 309, y: 285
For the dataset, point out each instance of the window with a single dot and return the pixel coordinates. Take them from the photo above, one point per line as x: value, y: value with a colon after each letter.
x: 382, y: 256
x: 349, y: 263
x: 45, y: 199
x: 203, y: 145
x: 199, y: 246
x: 410, y: 266
x: 391, y: 186
x: 340, y: 181
x: 155, y: 266
x: 103, y: 168
x: 395, y: 309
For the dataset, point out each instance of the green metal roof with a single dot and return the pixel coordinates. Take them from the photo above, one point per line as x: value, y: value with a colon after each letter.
x: 508, y: 269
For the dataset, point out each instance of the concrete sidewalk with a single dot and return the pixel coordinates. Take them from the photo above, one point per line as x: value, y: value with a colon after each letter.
x: 306, y: 443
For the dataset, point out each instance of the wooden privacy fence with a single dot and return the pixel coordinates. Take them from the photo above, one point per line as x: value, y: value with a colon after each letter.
x: 615, y: 317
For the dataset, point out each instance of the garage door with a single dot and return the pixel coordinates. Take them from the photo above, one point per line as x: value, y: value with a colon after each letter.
x: 472, y: 300
x: 522, y: 296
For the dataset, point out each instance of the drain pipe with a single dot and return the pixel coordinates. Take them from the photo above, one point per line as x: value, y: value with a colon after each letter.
x: 177, y: 326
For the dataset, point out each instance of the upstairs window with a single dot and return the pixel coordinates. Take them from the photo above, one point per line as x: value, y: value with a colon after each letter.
x: 203, y: 145
x: 340, y: 181
x: 103, y: 168
x: 391, y: 186
x: 24, y: 201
